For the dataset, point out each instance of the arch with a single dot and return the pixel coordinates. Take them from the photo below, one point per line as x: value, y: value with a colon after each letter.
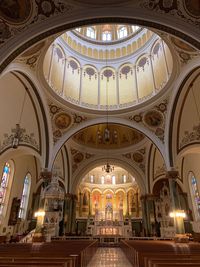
x: 118, y: 15
x: 120, y: 190
x: 157, y: 142
x: 96, y: 190
x: 134, y: 171
x: 108, y: 190
x: 173, y: 115
x: 41, y: 110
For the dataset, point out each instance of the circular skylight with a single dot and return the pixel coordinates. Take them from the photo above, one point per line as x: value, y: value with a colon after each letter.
x: 88, y: 69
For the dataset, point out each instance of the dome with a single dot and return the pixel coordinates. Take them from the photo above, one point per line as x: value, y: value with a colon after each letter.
x: 119, y: 137
x: 107, y: 66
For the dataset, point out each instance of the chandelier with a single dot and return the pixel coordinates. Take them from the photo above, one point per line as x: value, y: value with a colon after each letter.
x: 18, y: 131
x: 108, y: 168
x: 106, y: 133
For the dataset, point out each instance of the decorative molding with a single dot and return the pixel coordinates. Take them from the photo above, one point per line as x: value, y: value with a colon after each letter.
x: 25, y: 139
x: 190, y: 137
x: 153, y: 119
x: 62, y: 120
x: 78, y: 157
x: 160, y: 170
x: 138, y: 157
x: 17, y: 16
x: 186, y: 10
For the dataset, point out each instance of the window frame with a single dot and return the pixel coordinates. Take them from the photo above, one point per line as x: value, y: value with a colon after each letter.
x: 25, y: 197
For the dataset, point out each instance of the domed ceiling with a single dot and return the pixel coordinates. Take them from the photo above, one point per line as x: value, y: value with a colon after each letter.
x: 107, y: 66
x: 119, y: 137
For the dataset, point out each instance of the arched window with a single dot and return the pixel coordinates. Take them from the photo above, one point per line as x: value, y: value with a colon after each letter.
x: 135, y: 28
x: 122, y: 32
x: 106, y: 36
x: 6, y: 181
x: 25, y: 197
x: 90, y: 32
x: 113, y: 179
x: 91, y: 178
x: 124, y: 178
x: 195, y: 194
x: 102, y: 179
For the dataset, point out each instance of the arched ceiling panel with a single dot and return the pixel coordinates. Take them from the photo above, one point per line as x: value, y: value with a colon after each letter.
x: 17, y: 107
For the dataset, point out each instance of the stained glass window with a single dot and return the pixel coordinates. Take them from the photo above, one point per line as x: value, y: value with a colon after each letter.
x: 4, y: 185
x: 25, y: 197
x: 195, y: 194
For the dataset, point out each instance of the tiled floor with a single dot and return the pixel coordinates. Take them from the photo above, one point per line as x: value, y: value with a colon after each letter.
x: 109, y: 257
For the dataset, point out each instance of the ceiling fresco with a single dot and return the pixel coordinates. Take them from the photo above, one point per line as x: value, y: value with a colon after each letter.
x: 120, y: 136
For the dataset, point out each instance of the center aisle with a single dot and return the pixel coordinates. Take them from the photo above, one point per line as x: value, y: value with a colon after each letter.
x: 109, y: 257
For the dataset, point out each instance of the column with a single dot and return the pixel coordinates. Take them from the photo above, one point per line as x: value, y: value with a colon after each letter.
x: 144, y: 215
x: 102, y: 201
x: 127, y: 205
x: 136, y: 204
x: 67, y: 213
x: 166, y: 64
x: 73, y: 220
x: 117, y: 87
x: 50, y: 66
x: 99, y: 89
x: 172, y: 176
x: 153, y: 76
x: 70, y: 213
x: 90, y: 205
x: 80, y: 203
x: 148, y: 213
x: 63, y: 82
x: 80, y: 86
x: 136, y: 83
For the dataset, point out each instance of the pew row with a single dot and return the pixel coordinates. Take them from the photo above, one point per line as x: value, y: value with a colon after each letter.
x: 57, y: 253
x: 161, y: 253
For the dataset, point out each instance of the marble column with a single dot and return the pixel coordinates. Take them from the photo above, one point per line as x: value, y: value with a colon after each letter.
x: 127, y: 204
x: 136, y: 204
x: 172, y: 177
x: 148, y: 213
x: 90, y: 205
x: 70, y: 213
x: 80, y: 203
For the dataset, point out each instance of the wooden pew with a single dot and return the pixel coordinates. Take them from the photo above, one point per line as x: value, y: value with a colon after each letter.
x: 140, y: 253
x: 51, y: 252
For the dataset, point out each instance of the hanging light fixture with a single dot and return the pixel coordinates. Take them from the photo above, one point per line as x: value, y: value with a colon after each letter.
x: 18, y: 131
x: 106, y: 134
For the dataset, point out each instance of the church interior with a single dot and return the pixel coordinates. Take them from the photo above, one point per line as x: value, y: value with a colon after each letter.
x: 100, y: 133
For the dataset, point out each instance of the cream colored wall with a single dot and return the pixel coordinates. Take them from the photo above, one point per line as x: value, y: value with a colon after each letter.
x: 71, y: 82
x: 57, y: 70
x: 89, y: 93
x: 22, y: 165
x: 12, y: 95
x: 190, y: 114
